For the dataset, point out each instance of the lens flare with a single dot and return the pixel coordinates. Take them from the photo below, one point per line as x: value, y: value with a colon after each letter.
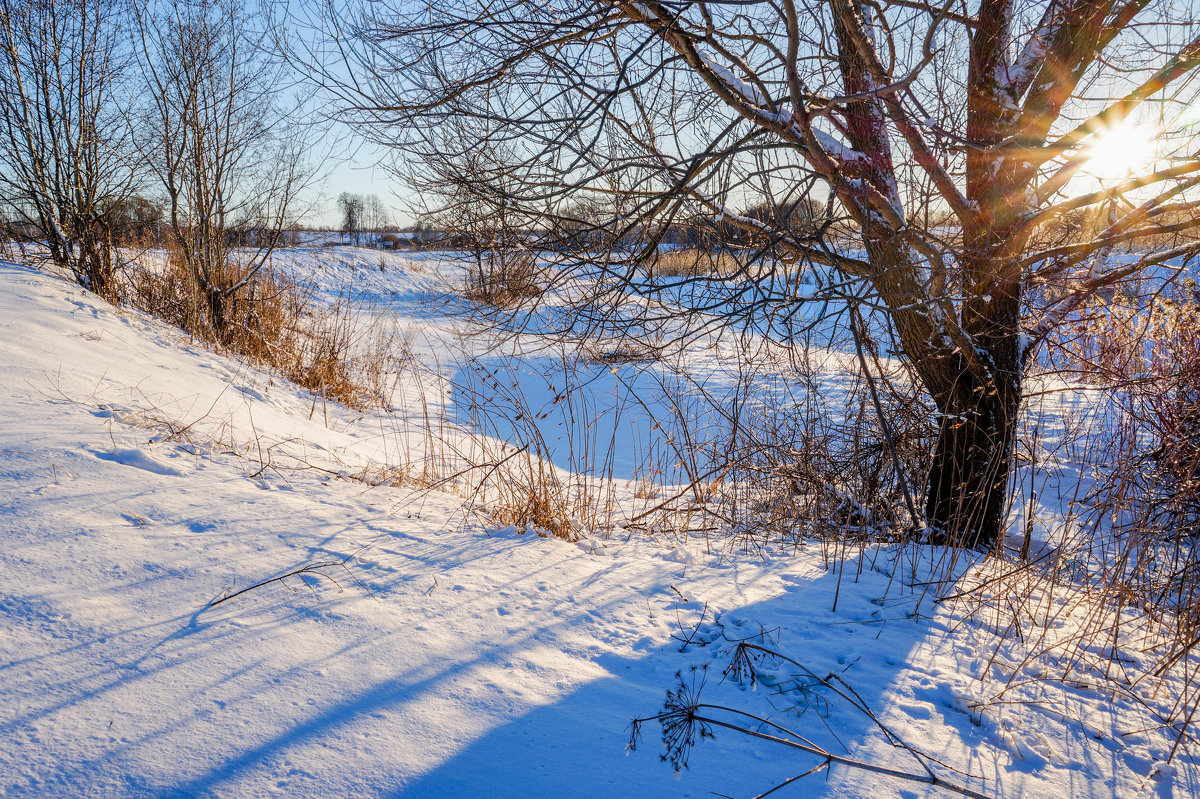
x: 1121, y: 151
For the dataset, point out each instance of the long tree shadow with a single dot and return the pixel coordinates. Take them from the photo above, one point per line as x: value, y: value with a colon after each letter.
x: 878, y: 650
x: 578, y: 745
x: 878, y: 643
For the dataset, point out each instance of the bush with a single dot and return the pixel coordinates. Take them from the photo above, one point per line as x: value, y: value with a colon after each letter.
x: 502, y: 277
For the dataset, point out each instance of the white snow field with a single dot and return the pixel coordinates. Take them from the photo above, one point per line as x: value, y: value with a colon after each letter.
x: 142, y: 478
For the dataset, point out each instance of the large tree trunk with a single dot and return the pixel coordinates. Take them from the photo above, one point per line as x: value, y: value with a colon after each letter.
x: 966, y: 497
x: 970, y: 365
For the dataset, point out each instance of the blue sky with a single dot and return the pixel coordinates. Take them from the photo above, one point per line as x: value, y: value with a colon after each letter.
x: 350, y: 165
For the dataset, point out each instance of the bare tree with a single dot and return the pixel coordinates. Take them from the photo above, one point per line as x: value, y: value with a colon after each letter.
x: 64, y: 154
x: 949, y: 138
x: 220, y: 144
x: 362, y: 213
x: 375, y: 213
x: 466, y: 194
x: 353, y: 211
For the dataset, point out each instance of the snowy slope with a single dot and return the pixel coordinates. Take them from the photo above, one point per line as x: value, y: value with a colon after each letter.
x: 142, y: 478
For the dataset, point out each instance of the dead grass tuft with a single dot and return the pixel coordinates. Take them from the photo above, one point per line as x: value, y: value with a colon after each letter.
x: 503, y: 277
x: 691, y: 262
x: 618, y: 351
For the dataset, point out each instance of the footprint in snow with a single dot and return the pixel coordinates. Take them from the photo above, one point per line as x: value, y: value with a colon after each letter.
x: 251, y: 393
x: 139, y: 460
x: 83, y: 306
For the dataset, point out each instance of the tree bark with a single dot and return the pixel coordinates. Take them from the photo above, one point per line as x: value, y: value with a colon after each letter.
x: 966, y: 496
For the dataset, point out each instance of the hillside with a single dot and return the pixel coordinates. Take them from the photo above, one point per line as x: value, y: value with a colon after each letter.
x: 427, y: 651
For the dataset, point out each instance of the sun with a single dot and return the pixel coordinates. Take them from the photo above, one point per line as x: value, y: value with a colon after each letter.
x: 1121, y: 151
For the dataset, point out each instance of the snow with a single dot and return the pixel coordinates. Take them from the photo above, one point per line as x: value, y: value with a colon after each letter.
x: 1021, y: 73
x: 835, y: 148
x: 139, y: 460
x: 142, y: 477
x: 750, y: 94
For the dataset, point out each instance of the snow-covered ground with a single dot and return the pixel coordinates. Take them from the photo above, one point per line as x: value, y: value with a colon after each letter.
x: 143, y: 477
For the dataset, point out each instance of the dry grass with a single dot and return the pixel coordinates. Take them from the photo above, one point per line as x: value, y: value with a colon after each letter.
x: 1112, y: 596
x: 691, y: 262
x: 503, y: 277
x: 274, y: 322
x: 615, y: 351
x: 782, y: 460
x: 526, y: 492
